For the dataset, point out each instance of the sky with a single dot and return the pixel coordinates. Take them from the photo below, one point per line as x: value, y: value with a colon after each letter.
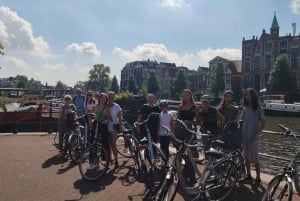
x: 61, y: 40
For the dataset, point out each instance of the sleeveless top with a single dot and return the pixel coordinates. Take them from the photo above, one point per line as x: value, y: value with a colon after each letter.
x: 100, y: 115
x: 187, y: 114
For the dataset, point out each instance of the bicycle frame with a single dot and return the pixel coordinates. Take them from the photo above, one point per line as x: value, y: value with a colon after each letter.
x: 290, y: 171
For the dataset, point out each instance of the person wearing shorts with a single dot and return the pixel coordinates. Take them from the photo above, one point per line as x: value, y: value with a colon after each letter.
x: 252, y: 126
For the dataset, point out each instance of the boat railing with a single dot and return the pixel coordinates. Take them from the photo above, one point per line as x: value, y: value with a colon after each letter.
x: 30, y: 119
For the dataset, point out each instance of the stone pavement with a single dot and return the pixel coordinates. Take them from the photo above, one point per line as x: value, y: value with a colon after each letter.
x: 32, y: 170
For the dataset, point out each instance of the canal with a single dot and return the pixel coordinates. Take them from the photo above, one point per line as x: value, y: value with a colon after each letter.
x: 277, y: 145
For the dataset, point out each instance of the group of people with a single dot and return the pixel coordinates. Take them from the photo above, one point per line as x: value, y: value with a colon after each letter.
x: 211, y: 119
x: 107, y: 115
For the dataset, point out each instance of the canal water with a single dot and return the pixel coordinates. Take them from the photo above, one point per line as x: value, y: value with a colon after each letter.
x: 278, y: 146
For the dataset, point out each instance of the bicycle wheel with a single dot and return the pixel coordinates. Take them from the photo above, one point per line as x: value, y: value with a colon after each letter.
x: 94, y: 162
x: 297, y: 175
x: 219, y: 180
x: 123, y: 146
x: 75, y: 147
x: 279, y: 189
x: 238, y: 159
x: 160, y: 162
x: 168, y: 188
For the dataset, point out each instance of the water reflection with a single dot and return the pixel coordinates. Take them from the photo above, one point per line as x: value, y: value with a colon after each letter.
x: 277, y: 145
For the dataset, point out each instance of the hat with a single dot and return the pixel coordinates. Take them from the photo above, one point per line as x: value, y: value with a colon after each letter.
x: 205, y: 98
x: 163, y: 103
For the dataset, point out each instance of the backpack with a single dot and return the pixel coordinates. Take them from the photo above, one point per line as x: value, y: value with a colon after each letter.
x: 232, y: 135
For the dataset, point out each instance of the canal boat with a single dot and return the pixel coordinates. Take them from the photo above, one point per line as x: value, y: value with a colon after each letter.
x: 275, y: 105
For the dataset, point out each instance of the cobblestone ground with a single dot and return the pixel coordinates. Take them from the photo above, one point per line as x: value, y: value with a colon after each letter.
x: 32, y: 170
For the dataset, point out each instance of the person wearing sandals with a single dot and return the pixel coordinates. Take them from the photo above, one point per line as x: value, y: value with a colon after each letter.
x: 253, y: 123
x: 114, y: 125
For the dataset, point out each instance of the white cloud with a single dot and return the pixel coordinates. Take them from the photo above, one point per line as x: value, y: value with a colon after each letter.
x: 55, y: 67
x: 295, y: 6
x: 173, y: 3
x: 160, y: 53
x: 17, y: 34
x: 86, y: 48
x: 227, y: 53
x: 13, y: 62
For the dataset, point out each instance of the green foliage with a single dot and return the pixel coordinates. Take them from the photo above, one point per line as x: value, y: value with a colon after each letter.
x: 114, y: 85
x: 180, y: 82
x: 1, y: 49
x: 123, y: 98
x: 132, y: 85
x: 60, y: 85
x: 99, y: 78
x: 144, y: 90
x: 217, y: 80
x: 152, y: 83
x: 281, y: 71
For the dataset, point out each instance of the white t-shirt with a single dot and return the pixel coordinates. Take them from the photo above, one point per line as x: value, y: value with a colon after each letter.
x: 114, y: 111
x: 165, y: 119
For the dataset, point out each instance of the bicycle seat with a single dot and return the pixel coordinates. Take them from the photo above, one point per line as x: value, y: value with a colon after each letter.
x: 214, y: 153
x: 143, y: 141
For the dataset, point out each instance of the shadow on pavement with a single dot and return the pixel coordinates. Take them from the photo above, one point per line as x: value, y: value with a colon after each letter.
x: 86, y: 187
x: 54, y: 160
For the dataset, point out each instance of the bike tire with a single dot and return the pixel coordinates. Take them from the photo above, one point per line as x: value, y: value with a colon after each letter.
x: 297, y: 174
x: 220, y: 180
x: 75, y: 147
x: 168, y: 188
x: 277, y: 189
x: 94, y: 154
x: 124, y: 148
x: 160, y: 162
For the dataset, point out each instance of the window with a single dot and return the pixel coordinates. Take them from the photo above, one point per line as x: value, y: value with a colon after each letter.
x: 283, y: 47
x: 294, y: 60
x: 247, y: 65
x: 256, y: 63
x: 268, y: 62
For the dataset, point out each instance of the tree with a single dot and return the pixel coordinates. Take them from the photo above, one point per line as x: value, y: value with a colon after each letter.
x: 22, y: 81
x: 281, y: 79
x: 180, y: 82
x: 217, y: 81
x: 114, y: 85
x: 60, y: 85
x: 99, y: 78
x: 152, y: 83
x: 132, y: 85
x: 1, y: 49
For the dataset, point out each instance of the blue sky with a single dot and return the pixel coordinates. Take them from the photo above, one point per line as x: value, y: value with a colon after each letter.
x: 61, y: 40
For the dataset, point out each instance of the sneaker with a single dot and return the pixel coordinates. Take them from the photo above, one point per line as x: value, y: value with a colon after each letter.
x: 92, y: 166
x: 257, y: 183
x: 247, y: 179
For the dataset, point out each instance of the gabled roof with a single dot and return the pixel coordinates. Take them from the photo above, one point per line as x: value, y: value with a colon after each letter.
x: 218, y: 58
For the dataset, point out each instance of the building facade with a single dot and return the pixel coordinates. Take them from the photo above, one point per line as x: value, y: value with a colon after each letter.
x: 165, y: 74
x: 259, y: 55
x: 232, y: 73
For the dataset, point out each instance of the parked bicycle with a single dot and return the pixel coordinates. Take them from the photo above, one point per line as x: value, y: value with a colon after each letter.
x: 281, y: 185
x: 94, y: 161
x: 215, y: 182
x: 153, y: 159
x: 79, y: 138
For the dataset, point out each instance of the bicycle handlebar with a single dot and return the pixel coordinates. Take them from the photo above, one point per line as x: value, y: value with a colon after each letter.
x: 146, y: 120
x: 287, y: 132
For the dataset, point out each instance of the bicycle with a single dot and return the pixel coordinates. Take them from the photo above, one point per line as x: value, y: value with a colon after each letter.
x: 217, y: 179
x: 94, y: 161
x: 282, y: 183
x: 153, y: 159
x: 78, y: 140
